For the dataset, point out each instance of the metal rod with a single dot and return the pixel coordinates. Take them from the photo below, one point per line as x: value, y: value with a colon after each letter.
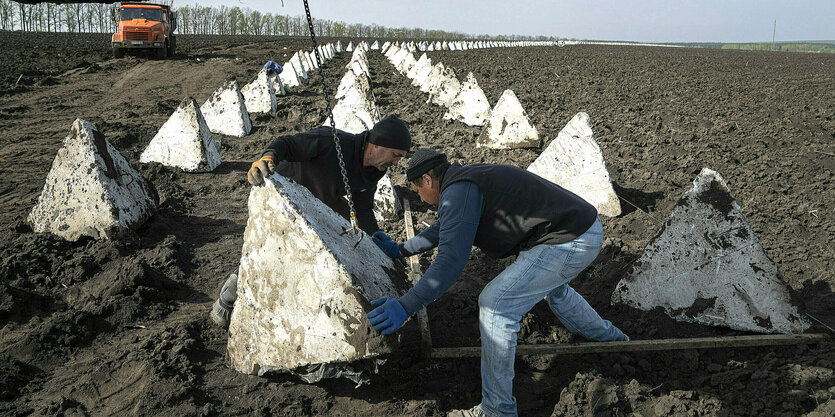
x: 414, y: 275
x: 642, y: 345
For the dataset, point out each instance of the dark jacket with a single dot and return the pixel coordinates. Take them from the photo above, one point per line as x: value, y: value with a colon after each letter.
x: 521, y: 209
x: 310, y: 159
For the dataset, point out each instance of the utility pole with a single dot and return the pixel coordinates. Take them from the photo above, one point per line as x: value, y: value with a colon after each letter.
x: 774, y: 35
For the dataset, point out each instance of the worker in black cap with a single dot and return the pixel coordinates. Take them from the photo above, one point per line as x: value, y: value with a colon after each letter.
x: 505, y: 211
x: 310, y: 159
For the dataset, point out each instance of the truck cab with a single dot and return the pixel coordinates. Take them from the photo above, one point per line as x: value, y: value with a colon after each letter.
x: 145, y: 26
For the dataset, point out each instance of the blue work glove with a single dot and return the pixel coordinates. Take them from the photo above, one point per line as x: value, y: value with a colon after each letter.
x: 388, y: 316
x: 390, y: 247
x: 273, y: 66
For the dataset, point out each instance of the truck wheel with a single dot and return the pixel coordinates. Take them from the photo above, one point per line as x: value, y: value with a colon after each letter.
x: 162, y: 52
x: 118, y: 52
x: 172, y: 47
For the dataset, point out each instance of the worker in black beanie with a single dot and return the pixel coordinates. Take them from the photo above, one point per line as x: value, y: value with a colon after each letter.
x: 310, y: 159
x: 505, y: 211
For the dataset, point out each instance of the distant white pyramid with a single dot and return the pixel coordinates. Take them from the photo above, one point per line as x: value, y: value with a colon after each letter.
x: 397, y: 58
x: 386, y: 204
x: 225, y: 111
x: 432, y: 78
x: 375, y: 45
x: 339, y: 47
x: 184, y: 141
x: 406, y: 64
x: 303, y: 288
x: 423, y: 61
x: 350, y: 47
x: 311, y: 57
x: 706, y: 266
x: 259, y: 95
x: 574, y: 161
x: 420, y: 75
x: 470, y: 106
x: 508, y: 126
x: 91, y: 190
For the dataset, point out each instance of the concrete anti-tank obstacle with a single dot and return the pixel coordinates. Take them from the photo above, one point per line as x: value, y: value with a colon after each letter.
x: 278, y: 83
x: 406, y: 64
x: 573, y: 160
x: 304, y: 290
x: 352, y: 113
x: 470, y: 106
x: 422, y: 74
x: 508, y: 126
x: 350, y: 47
x: 398, y: 57
x: 184, y: 141
x: 259, y: 95
x: 386, y: 204
x: 298, y: 66
x: 290, y: 75
x: 375, y: 45
x: 445, y: 89
x: 706, y: 266
x: 225, y: 111
x: 419, y: 65
x: 339, y: 47
x: 433, y: 78
x: 91, y: 190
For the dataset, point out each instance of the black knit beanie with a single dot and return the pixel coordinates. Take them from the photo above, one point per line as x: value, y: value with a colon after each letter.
x: 422, y: 161
x: 391, y: 132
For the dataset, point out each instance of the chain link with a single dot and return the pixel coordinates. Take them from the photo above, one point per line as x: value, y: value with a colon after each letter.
x: 333, y: 124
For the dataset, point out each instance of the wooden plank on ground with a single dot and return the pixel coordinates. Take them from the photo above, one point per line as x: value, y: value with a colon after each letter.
x: 642, y: 345
x: 414, y: 275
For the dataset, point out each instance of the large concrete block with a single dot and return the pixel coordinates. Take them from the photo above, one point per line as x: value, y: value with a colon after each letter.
x: 445, y: 89
x: 387, y: 205
x: 259, y: 95
x: 470, y: 106
x: 508, y: 126
x: 278, y: 84
x: 433, y: 78
x: 707, y: 266
x: 184, y: 141
x: 574, y: 161
x: 421, y: 62
x: 406, y: 64
x: 304, y: 290
x: 225, y: 111
x: 91, y: 190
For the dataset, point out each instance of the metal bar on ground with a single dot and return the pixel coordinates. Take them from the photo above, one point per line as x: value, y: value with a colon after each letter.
x: 414, y: 275
x: 642, y: 345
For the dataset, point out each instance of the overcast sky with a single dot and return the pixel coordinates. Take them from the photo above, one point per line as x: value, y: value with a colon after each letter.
x: 645, y: 20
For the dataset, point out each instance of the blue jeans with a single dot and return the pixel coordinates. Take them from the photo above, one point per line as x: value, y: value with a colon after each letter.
x: 543, y: 271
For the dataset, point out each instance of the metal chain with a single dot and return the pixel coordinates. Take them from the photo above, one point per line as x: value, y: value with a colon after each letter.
x: 336, y: 144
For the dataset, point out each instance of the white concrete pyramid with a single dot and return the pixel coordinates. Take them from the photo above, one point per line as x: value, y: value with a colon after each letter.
x: 470, y: 106
x: 290, y: 75
x: 375, y: 45
x: 398, y: 57
x: 422, y: 73
x: 418, y: 66
x: 259, y: 95
x: 445, y: 89
x: 432, y: 78
x: 385, y: 46
x: 184, y: 141
x: 339, y: 47
x: 706, y: 266
x: 91, y: 190
x: 387, y: 205
x: 225, y: 111
x: 350, y: 47
x: 304, y: 290
x: 311, y: 56
x: 574, y: 161
x: 508, y: 126
x: 299, y: 66
x: 406, y: 64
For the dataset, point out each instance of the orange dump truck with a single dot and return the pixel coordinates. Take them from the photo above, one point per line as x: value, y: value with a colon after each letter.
x: 145, y: 26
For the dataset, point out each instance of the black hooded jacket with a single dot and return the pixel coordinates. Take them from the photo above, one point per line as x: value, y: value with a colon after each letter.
x: 310, y: 159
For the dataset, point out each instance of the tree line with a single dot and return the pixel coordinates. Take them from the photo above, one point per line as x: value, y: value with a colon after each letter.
x: 205, y: 20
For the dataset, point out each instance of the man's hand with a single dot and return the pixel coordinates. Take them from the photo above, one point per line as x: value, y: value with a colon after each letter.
x: 388, y: 316
x: 261, y: 169
x: 390, y: 247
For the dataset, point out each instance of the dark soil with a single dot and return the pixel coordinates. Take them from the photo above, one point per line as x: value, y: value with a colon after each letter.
x: 122, y: 327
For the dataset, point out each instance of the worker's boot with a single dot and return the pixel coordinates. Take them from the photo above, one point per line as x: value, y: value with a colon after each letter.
x: 473, y: 412
x: 222, y: 309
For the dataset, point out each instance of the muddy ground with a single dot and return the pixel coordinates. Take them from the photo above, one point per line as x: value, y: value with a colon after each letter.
x: 103, y: 328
